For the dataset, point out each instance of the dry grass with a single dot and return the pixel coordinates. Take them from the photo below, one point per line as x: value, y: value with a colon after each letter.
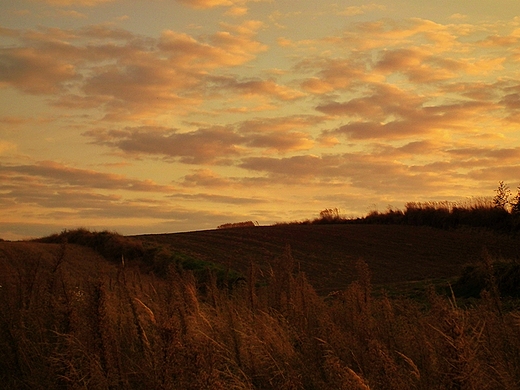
x: 126, y: 330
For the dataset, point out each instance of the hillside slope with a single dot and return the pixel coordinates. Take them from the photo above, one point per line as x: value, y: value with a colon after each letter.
x: 328, y: 253
x: 28, y: 263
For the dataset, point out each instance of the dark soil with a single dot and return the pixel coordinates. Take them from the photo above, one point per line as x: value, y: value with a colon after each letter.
x: 328, y: 253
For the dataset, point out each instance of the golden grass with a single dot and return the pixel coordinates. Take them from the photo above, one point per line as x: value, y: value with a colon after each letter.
x: 122, y: 329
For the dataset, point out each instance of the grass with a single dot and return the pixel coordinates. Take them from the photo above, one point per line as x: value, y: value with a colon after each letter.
x: 113, y: 326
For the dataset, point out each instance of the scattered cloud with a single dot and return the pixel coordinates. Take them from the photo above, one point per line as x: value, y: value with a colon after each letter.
x: 218, y: 199
x: 79, y: 3
x: 237, y: 6
x: 202, y: 146
x: 206, y: 178
x: 206, y: 3
x: 6, y: 146
x: 61, y: 176
x: 34, y: 71
x: 237, y: 11
x: 214, y: 144
x: 127, y: 76
x: 258, y: 88
x: 379, y: 109
x: 362, y: 9
x: 458, y: 16
x: 71, y: 14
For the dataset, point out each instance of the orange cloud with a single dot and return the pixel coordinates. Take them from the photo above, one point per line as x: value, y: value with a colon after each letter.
x: 81, y: 3
x: 362, y: 9
x: 205, y: 178
x: 34, y: 71
x: 207, y: 145
x: 211, y: 145
x: 259, y: 87
x: 125, y: 75
x: 63, y: 176
x: 206, y: 3
x: 237, y: 5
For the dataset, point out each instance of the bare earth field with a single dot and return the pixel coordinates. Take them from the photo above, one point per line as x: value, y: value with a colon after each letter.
x: 328, y: 253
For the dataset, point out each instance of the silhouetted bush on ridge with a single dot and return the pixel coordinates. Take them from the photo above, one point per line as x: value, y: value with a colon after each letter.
x: 237, y: 225
x: 478, y: 213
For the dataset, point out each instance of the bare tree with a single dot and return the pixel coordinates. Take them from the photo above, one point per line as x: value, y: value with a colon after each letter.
x: 515, y: 203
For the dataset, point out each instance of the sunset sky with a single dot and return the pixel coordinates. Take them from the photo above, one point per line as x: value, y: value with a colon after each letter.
x: 163, y: 116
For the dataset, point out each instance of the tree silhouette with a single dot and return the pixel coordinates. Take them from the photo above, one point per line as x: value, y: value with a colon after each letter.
x: 501, y: 199
x: 515, y: 203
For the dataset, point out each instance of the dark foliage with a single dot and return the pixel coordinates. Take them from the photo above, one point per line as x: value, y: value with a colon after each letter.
x: 500, y: 214
x: 237, y: 225
x: 443, y: 215
x: 505, y: 277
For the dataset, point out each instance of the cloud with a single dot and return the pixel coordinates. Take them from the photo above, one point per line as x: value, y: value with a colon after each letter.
x: 213, y: 144
x: 236, y: 5
x: 71, y: 14
x: 13, y: 120
x: 384, y: 100
x: 362, y: 9
x: 79, y: 3
x: 205, y: 178
x: 6, y: 146
x: 213, y: 198
x: 9, y: 32
x: 283, y: 134
x: 360, y: 170
x: 34, y: 71
x: 126, y: 75
x: 203, y: 4
x: 202, y: 146
x: 419, y: 65
x: 237, y: 11
x: 335, y: 74
x: 389, y: 113
x: 258, y: 88
x: 492, y: 154
x: 62, y: 176
x: 458, y: 16
x: 281, y: 142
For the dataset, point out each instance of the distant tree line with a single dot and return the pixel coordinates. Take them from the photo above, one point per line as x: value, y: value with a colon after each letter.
x: 500, y: 213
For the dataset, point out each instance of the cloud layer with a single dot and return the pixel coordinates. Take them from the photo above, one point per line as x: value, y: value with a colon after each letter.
x: 199, y: 121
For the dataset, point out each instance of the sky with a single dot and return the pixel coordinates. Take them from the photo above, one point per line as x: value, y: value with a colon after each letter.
x: 164, y: 116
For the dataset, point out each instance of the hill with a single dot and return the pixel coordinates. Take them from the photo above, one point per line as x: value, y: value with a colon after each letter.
x: 77, y: 316
x: 327, y: 253
x: 17, y: 258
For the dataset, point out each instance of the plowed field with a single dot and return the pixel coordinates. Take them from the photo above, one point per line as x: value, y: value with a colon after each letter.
x: 328, y: 253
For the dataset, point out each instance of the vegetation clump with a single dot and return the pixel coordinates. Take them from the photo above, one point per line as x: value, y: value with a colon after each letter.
x: 237, y: 225
x: 504, y: 277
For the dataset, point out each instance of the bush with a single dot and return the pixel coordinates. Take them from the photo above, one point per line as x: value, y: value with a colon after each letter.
x: 505, y: 277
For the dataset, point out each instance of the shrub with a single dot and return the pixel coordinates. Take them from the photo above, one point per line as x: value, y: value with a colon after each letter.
x: 477, y: 278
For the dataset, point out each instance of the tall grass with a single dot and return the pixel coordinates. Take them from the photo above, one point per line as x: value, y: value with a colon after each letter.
x: 126, y: 330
